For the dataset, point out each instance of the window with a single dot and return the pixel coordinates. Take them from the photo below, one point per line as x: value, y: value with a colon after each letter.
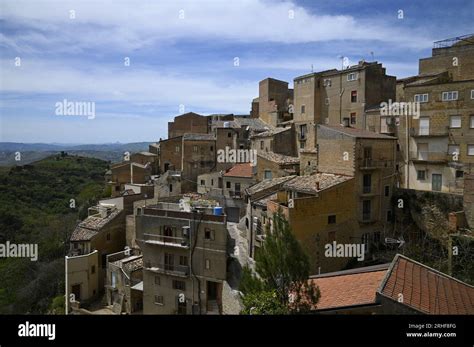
x: 471, y: 121
x: 424, y: 126
x: 179, y: 285
x: 354, y: 96
x: 159, y: 300
x: 268, y: 174
x: 212, y: 148
x: 303, y: 109
x: 387, y: 191
x: 352, y: 76
x: 327, y: 82
x: 203, y: 182
x: 261, y: 144
x: 453, y: 149
x: 227, y: 184
x: 171, y: 188
x: 455, y: 121
x: 183, y: 260
x: 470, y: 149
x: 229, y: 134
x: 421, y: 97
x: 212, y: 182
x: 93, y: 269
x: 459, y: 174
x: 176, y: 149
x: 366, y: 241
x: 353, y: 118
x: 208, y: 234
x: 420, y: 175
x: 366, y: 210
x: 367, y: 183
x: 389, y: 216
x: 303, y: 130
x: 449, y: 96
x: 195, y: 149
x: 331, y: 236
x: 302, y: 144
x: 472, y: 94
x: 208, y: 264
x: 157, y: 280
x: 332, y: 219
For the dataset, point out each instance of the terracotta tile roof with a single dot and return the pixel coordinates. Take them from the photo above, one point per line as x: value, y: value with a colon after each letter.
x: 91, y: 226
x: 240, y: 170
x: 267, y: 184
x: 253, y: 124
x: 279, y: 158
x: 268, y: 133
x: 425, y: 289
x: 313, y: 184
x: 349, y: 288
x: 357, y: 133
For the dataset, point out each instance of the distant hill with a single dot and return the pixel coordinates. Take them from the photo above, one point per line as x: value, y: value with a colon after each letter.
x: 31, y: 152
x: 35, y: 208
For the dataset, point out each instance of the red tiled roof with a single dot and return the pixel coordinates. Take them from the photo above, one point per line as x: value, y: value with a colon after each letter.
x: 348, y: 288
x: 240, y: 170
x: 426, y: 289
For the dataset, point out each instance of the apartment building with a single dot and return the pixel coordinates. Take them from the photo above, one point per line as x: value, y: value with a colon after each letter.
x: 184, y: 256
x: 338, y: 96
x: 369, y: 158
x: 437, y: 145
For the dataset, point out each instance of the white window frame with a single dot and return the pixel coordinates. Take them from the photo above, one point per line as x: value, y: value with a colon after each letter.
x: 470, y: 149
x: 450, y: 96
x: 421, y: 98
x: 354, y: 78
x: 455, y: 116
x: 472, y: 93
x: 471, y: 121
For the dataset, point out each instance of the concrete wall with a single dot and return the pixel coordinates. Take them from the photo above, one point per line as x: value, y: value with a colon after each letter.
x: 83, y: 270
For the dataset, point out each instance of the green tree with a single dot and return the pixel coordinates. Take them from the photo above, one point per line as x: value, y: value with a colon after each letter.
x: 282, y: 267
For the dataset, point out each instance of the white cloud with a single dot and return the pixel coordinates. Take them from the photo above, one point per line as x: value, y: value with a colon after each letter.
x: 125, y: 25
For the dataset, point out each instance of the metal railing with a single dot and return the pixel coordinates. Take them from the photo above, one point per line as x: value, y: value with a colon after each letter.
x: 180, y: 270
x: 429, y: 156
x: 371, y: 163
x: 166, y: 240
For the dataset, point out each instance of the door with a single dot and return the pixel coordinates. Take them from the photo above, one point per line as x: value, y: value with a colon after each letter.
x: 424, y: 126
x: 169, y: 261
x: 237, y: 189
x: 76, y: 290
x: 436, y: 182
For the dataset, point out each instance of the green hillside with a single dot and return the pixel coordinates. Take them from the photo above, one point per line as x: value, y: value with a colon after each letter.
x: 35, y: 208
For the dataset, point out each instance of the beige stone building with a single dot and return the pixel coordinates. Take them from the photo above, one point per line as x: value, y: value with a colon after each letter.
x: 272, y: 165
x: 337, y: 97
x: 274, y: 101
x: 184, y: 256
x: 437, y: 145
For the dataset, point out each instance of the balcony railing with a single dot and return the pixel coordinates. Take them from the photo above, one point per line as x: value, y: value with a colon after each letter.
x: 429, y: 156
x: 166, y: 240
x: 366, y: 189
x: 237, y: 194
x: 169, y: 269
x: 369, y: 163
x: 443, y: 131
x: 366, y: 216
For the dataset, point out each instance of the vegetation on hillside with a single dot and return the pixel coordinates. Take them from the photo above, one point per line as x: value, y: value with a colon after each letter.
x: 35, y: 207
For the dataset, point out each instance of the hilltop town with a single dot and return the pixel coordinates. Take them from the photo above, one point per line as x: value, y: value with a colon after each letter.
x: 372, y: 173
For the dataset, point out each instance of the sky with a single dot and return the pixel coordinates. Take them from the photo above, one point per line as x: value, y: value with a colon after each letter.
x: 141, y: 63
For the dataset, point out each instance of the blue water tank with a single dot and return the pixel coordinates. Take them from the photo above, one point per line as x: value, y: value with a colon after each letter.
x: 217, y: 211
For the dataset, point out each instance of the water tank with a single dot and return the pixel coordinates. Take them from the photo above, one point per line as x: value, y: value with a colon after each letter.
x: 217, y: 211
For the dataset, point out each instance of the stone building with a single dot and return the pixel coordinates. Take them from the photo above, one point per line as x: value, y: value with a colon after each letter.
x: 188, y: 123
x: 237, y: 179
x: 128, y: 172
x: 184, y: 255
x: 437, y: 144
x: 272, y: 165
x: 338, y: 97
x: 279, y: 140
x: 274, y: 101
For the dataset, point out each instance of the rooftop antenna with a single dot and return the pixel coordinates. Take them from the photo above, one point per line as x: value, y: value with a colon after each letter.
x: 312, y: 68
x: 372, y: 55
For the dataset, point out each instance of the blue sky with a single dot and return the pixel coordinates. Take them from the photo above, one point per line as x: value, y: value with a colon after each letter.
x: 189, y: 60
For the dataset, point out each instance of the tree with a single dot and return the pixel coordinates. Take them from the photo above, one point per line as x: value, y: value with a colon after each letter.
x: 282, y: 267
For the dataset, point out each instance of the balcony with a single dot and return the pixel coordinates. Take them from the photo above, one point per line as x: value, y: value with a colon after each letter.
x: 366, y: 189
x: 370, y: 164
x: 169, y: 241
x: 235, y: 194
x: 426, y: 132
x: 429, y: 157
x: 169, y: 269
x: 366, y: 217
